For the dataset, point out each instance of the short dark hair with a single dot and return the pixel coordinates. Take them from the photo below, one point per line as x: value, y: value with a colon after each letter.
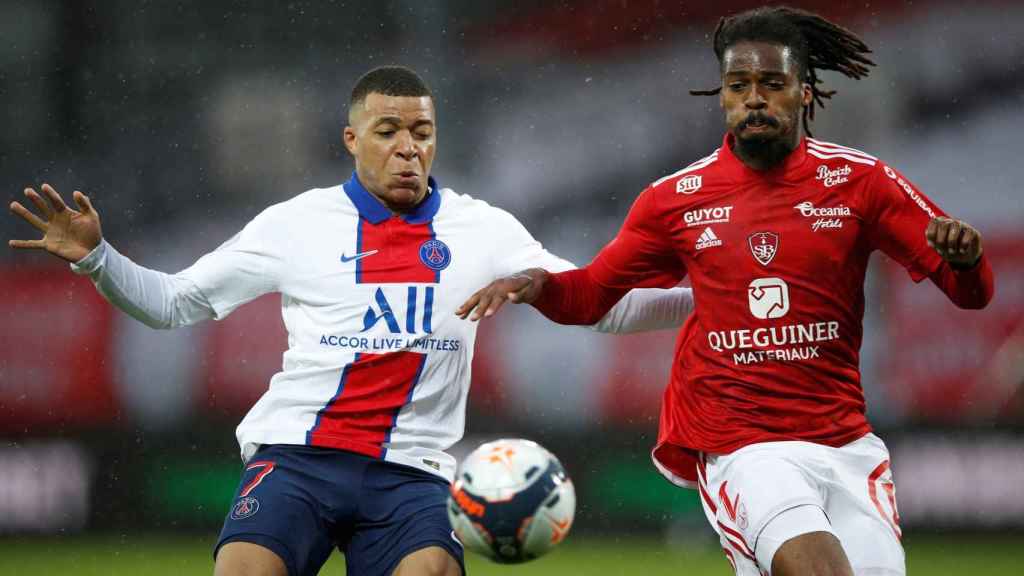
x: 390, y: 81
x: 816, y: 44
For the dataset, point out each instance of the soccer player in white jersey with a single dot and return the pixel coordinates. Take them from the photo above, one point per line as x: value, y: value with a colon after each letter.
x: 346, y: 447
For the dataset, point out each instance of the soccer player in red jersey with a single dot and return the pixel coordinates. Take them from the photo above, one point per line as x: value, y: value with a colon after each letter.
x: 764, y: 413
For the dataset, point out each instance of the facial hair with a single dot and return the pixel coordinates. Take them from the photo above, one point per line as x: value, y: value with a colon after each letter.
x: 763, y: 151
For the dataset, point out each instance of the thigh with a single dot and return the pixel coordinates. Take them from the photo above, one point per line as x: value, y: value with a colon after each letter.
x: 240, y: 558
x: 863, y: 510
x: 279, y: 506
x: 801, y: 541
x: 818, y: 553
x: 744, y: 491
x: 402, y: 510
x: 429, y: 561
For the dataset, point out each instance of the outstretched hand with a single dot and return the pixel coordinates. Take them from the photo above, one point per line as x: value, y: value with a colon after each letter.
x: 521, y: 288
x: 69, y: 234
x: 956, y: 241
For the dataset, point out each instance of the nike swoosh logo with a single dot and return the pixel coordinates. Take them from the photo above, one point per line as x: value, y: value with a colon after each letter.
x: 358, y: 256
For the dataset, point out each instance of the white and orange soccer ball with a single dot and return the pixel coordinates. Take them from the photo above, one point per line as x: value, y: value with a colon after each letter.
x: 511, y: 501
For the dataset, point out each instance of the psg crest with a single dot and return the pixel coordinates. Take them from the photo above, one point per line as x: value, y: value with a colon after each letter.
x: 764, y: 246
x: 245, y: 507
x: 435, y: 255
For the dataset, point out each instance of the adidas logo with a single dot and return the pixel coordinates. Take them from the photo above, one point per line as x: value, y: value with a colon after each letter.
x: 707, y: 239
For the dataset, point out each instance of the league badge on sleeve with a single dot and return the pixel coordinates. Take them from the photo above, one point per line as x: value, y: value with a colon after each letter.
x: 435, y: 255
x: 764, y: 246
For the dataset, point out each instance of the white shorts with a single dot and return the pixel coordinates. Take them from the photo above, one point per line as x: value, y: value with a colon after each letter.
x: 765, y: 494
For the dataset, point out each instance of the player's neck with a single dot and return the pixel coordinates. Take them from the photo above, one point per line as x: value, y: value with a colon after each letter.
x: 762, y: 155
x: 403, y: 209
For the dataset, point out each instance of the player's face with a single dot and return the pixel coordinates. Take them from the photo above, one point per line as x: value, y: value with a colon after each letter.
x: 392, y: 141
x: 762, y: 95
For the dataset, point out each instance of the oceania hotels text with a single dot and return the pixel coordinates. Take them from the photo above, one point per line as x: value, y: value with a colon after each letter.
x: 760, y: 344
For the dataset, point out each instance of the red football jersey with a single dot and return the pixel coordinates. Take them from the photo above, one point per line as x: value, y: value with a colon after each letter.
x: 777, y: 261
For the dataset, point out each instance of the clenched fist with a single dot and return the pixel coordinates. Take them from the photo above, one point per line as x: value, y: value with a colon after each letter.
x: 956, y: 241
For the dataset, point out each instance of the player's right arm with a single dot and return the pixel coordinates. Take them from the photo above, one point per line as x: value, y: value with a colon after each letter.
x: 640, y: 256
x: 239, y: 271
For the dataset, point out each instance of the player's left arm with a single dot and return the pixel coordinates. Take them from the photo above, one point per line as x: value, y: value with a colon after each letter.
x: 526, y: 260
x: 912, y: 230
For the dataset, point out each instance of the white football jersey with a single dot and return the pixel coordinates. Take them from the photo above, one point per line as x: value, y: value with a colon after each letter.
x: 377, y: 362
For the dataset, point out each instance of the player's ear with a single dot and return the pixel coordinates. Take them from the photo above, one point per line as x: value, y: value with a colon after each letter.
x: 808, y: 95
x: 350, y: 138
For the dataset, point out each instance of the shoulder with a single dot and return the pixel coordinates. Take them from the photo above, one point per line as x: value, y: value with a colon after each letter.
x: 690, y: 179
x: 314, y: 198
x: 465, y: 207
x: 310, y: 202
x: 838, y: 160
x: 837, y: 153
x: 877, y: 183
x: 847, y: 171
x: 291, y: 213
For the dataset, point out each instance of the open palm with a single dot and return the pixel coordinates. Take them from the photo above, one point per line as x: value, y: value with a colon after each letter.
x: 69, y: 234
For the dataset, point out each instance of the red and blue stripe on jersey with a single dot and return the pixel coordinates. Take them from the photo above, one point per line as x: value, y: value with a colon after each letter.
x: 374, y: 387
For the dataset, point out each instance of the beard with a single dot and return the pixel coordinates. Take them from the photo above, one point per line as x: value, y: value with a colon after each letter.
x: 766, y: 149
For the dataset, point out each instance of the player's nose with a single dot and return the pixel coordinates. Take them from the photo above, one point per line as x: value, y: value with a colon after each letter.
x: 755, y: 99
x: 405, y: 148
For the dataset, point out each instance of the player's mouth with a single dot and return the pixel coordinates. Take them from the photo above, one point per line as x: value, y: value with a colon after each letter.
x: 406, y: 179
x: 758, y: 123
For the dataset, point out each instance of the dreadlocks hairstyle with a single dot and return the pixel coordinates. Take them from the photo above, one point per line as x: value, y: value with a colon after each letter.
x: 816, y: 44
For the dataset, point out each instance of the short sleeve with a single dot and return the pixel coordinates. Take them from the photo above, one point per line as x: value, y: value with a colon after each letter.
x: 641, y: 254
x: 897, y: 215
x: 246, y: 266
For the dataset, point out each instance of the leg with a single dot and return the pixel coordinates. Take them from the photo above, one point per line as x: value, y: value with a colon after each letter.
x: 248, y: 559
x: 863, y: 508
x: 801, y: 542
x: 812, y: 554
x: 761, y: 497
x: 430, y: 561
x: 278, y: 520
x: 403, y: 525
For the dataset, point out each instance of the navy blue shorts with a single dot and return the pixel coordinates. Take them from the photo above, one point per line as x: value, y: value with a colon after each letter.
x: 301, y: 502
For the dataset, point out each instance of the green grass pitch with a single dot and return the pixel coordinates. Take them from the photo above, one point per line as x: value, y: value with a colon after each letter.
x: 947, y: 555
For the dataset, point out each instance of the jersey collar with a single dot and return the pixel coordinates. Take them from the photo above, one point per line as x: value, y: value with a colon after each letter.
x: 375, y: 212
x: 784, y: 171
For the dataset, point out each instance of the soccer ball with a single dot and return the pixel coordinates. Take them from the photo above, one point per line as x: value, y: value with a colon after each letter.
x: 511, y: 501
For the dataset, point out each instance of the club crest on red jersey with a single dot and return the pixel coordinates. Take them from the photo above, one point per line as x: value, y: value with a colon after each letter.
x: 435, y: 255
x: 764, y: 246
